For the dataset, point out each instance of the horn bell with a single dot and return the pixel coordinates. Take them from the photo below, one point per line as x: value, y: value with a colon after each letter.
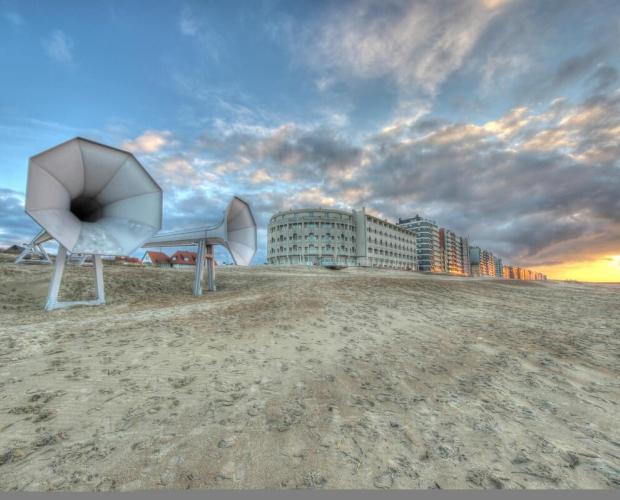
x: 93, y: 198
x: 239, y: 228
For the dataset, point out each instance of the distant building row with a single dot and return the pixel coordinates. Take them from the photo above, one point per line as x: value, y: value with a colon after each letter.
x: 439, y: 250
x: 321, y: 236
x: 484, y: 263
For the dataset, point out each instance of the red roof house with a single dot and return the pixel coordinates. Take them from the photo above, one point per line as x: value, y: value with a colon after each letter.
x: 158, y: 259
x: 183, y: 258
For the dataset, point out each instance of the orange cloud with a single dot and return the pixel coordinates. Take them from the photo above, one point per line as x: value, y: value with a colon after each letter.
x: 151, y: 141
x: 260, y: 176
x: 181, y: 173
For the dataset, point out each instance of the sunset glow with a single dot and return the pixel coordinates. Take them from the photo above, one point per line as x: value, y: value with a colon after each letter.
x: 604, y: 269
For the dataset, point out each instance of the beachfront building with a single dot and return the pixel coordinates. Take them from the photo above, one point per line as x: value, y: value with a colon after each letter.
x: 474, y: 258
x: 482, y: 262
x: 454, y: 252
x: 463, y: 248
x: 429, y: 255
x: 513, y: 272
x: 321, y: 236
x: 498, y: 268
x: 487, y: 263
x: 506, y: 272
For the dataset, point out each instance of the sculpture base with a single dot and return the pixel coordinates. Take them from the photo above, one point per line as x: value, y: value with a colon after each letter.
x: 54, y: 289
x: 205, y: 253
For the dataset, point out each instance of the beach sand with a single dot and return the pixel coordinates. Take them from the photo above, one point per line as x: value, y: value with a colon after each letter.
x: 307, y: 378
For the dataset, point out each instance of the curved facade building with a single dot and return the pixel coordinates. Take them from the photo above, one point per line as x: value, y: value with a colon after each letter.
x: 428, y: 249
x: 311, y: 237
x: 322, y: 236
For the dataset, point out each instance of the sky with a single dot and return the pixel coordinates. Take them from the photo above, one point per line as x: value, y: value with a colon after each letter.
x: 497, y: 119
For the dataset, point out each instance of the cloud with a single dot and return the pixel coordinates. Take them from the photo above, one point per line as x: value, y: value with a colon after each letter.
x: 260, y: 176
x: 530, y: 186
x: 188, y: 24
x: 180, y: 172
x: 13, y: 18
x: 324, y: 83
x: 576, y: 67
x: 151, y: 141
x: 59, y: 47
x: 16, y: 227
x: 604, y: 77
x: 195, y: 26
x: 534, y: 186
x: 289, y: 152
x: 415, y: 44
x: 570, y: 71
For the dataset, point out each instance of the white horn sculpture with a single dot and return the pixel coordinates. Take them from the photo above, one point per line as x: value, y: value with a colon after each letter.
x: 93, y: 199
x: 236, y: 232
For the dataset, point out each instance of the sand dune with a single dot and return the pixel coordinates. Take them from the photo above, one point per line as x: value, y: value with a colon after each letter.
x: 308, y: 378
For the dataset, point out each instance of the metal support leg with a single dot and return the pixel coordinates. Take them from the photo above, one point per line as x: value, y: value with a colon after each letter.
x: 200, y: 266
x: 44, y: 254
x: 59, y: 269
x: 27, y: 250
x: 34, y: 251
x: 54, y: 289
x: 210, y: 269
x: 99, y: 278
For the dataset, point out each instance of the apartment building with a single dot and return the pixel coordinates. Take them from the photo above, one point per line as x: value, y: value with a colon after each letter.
x: 429, y: 254
x: 499, y: 273
x: 482, y: 262
x: 454, y: 252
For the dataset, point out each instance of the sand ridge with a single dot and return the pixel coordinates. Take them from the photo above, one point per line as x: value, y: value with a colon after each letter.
x: 307, y: 378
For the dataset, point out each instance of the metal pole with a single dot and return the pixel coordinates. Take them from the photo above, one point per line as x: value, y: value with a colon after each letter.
x: 99, y: 278
x: 210, y: 269
x: 59, y: 269
x: 27, y: 249
x: 46, y: 257
x: 54, y: 289
x: 200, y: 263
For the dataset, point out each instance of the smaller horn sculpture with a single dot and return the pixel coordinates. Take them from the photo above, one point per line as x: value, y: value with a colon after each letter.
x: 236, y: 232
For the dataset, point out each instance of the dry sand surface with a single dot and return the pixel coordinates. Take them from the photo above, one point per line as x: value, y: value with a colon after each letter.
x: 308, y: 378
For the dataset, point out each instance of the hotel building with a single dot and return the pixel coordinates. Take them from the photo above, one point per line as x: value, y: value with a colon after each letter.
x: 321, y: 236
